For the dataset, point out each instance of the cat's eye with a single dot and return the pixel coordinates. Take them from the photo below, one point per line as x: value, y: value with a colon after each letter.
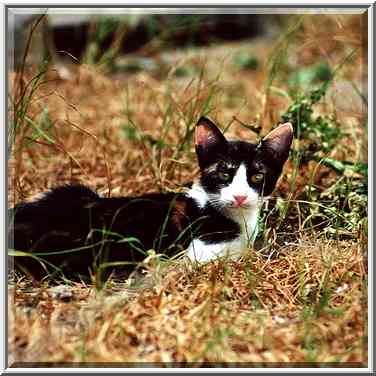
x: 257, y: 178
x: 224, y: 176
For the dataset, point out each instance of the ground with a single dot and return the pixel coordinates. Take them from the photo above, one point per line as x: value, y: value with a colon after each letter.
x: 300, y: 300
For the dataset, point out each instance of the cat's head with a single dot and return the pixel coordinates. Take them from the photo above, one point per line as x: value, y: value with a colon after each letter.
x: 237, y: 174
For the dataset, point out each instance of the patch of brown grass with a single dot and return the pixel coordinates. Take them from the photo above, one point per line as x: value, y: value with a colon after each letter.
x: 256, y: 312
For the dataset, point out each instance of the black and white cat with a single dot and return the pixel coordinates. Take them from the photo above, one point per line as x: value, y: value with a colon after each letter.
x: 75, y: 229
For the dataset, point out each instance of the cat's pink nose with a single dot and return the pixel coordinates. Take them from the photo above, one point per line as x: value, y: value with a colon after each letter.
x: 240, y: 199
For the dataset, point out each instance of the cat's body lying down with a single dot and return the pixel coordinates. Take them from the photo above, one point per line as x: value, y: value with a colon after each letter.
x: 216, y: 217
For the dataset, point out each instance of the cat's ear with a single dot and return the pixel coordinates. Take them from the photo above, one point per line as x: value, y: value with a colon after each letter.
x: 209, y: 141
x: 207, y: 133
x: 278, y: 141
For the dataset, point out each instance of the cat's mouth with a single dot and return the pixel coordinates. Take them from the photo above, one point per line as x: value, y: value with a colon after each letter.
x: 235, y: 205
x: 249, y: 204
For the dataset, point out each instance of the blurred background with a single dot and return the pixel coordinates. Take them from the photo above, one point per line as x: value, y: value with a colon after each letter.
x: 87, y: 37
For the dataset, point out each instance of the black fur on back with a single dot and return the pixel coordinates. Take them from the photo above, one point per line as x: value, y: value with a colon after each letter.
x: 112, y: 229
x: 70, y: 217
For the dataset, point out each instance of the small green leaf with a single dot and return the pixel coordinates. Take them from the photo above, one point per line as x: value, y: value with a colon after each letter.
x: 245, y: 60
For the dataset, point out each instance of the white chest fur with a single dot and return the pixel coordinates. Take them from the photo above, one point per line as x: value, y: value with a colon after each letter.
x: 233, y: 249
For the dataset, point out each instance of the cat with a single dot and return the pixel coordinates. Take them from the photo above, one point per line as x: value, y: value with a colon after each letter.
x: 75, y: 229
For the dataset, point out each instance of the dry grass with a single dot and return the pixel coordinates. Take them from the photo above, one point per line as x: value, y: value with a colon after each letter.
x: 255, y: 312
x: 305, y: 304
